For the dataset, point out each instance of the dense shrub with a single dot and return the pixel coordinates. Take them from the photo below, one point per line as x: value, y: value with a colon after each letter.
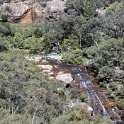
x: 84, y: 36
x: 79, y: 117
x: 120, y: 104
x: 75, y: 57
x: 23, y: 88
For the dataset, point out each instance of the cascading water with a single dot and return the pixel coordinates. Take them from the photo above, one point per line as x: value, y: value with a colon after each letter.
x: 94, y: 98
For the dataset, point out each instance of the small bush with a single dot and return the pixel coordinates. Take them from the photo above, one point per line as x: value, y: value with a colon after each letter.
x: 75, y: 57
x: 120, y: 104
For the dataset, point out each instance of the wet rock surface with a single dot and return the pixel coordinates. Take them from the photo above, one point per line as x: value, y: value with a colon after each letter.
x: 65, y: 77
x: 97, y: 97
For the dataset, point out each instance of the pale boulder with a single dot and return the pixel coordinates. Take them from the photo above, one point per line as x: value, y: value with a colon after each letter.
x: 46, y: 71
x: 60, y: 73
x: 44, y: 61
x: 50, y: 73
x: 67, y: 78
x: 46, y: 67
x: 90, y: 110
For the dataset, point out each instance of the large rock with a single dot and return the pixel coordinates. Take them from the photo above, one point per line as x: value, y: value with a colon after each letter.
x: 55, y: 8
x: 44, y: 61
x: 46, y: 67
x: 29, y: 11
x: 50, y: 73
x: 67, y: 78
x: 46, y: 71
x: 101, y: 12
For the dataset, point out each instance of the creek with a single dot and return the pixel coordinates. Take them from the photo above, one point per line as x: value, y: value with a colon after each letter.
x: 97, y: 98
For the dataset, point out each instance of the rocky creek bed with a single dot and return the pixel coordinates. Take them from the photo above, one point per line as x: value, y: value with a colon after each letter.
x: 97, y: 97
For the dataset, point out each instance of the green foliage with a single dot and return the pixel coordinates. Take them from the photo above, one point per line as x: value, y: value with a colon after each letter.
x: 23, y: 36
x: 115, y: 6
x: 84, y: 37
x: 6, y: 118
x: 79, y: 117
x: 5, y: 29
x: 83, y: 97
x: 112, y: 52
x: 3, y: 44
x: 29, y: 36
x: 23, y: 88
x: 74, y: 57
x: 70, y: 43
x: 11, y: 85
x: 105, y: 72
x: 113, y: 23
x: 120, y: 104
x: 4, y: 18
x: 105, y: 59
x: 120, y: 92
x: 54, y: 31
x: 33, y: 43
x: 89, y: 9
x: 76, y: 5
x: 18, y: 39
x: 38, y: 32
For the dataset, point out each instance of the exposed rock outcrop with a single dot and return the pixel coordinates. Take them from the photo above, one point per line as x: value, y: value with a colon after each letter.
x: 29, y: 10
x: 101, y: 12
x: 46, y: 67
x: 66, y: 77
x: 55, y: 9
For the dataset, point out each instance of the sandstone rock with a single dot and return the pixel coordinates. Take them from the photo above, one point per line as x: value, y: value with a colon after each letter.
x: 101, y: 12
x: 67, y: 78
x: 36, y: 59
x: 57, y: 57
x: 46, y: 71
x: 27, y: 18
x: 60, y: 73
x: 44, y: 61
x: 118, y: 70
x: 22, y: 12
x: 51, y: 73
x: 28, y: 11
x: 55, y: 66
x: 90, y: 110
x: 55, y: 8
x: 78, y: 104
x: 46, y: 67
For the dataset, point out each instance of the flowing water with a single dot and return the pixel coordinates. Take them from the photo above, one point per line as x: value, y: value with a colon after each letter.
x: 96, y: 99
